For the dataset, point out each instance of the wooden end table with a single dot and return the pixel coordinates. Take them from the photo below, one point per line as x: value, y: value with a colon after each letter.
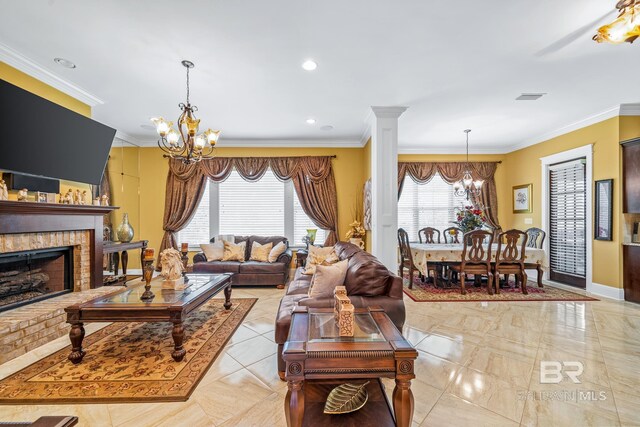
x: 115, y: 248
x: 167, y: 306
x: 314, y: 351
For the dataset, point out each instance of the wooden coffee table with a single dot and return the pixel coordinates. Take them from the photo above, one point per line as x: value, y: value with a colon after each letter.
x: 167, y: 306
x: 314, y: 351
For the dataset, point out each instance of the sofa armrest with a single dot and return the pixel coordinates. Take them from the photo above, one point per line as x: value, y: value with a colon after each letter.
x: 285, y: 257
x: 199, y: 257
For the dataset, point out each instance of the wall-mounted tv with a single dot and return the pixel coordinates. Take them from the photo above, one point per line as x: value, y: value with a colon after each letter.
x: 42, y: 138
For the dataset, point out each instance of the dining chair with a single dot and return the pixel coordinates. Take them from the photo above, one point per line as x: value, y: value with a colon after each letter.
x: 535, y: 239
x: 452, y: 235
x: 431, y: 235
x: 476, y: 258
x: 510, y: 258
x: 406, y: 258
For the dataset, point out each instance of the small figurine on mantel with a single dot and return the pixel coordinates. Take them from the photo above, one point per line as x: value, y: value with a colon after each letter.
x: 96, y: 201
x: 60, y: 198
x: 171, y: 263
x: 104, y: 200
x: 68, y: 198
x: 22, y: 195
x: 4, y: 193
x: 83, y: 198
x: 77, y: 197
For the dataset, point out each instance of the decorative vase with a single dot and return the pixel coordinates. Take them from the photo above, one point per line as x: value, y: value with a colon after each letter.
x: 311, y: 235
x: 357, y: 241
x: 125, y: 231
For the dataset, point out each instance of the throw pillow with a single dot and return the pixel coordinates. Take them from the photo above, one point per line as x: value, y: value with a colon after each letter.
x: 213, y: 251
x: 260, y: 252
x: 326, y: 278
x: 277, y: 251
x: 320, y: 256
x: 233, y: 252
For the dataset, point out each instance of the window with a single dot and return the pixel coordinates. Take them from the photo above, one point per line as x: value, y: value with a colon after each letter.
x: 427, y: 205
x: 268, y: 207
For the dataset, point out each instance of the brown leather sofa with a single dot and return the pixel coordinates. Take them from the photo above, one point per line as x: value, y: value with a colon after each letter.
x: 250, y: 272
x: 368, y: 283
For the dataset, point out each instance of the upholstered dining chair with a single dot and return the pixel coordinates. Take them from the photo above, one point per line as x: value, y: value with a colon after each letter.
x: 452, y: 235
x: 431, y: 235
x: 476, y: 258
x: 510, y: 258
x: 406, y: 258
x: 535, y: 239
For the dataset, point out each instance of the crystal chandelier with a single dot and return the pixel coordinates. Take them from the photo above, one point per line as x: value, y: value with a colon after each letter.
x: 467, y: 186
x: 625, y: 28
x: 186, y: 143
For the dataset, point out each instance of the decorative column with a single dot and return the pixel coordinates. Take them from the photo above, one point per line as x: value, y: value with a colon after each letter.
x: 384, y: 184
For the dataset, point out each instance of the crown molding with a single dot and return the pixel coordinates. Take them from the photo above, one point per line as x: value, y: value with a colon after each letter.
x: 37, y: 71
x: 130, y: 139
x: 630, y: 110
x: 453, y: 151
x: 294, y: 143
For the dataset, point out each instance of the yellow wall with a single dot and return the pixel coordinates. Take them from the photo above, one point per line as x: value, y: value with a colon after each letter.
x: 524, y: 167
x: 347, y: 167
x: 35, y: 86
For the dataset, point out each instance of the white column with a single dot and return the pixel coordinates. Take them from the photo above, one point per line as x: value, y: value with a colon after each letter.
x: 384, y: 184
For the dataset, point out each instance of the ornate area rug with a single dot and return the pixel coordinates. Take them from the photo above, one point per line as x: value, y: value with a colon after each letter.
x: 130, y: 362
x: 427, y: 292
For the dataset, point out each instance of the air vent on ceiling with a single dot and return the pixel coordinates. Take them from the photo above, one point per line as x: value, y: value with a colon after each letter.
x: 530, y: 96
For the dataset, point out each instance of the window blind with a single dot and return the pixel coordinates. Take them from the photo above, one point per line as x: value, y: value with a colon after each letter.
x: 300, y: 224
x: 568, y: 203
x: 198, y: 229
x: 427, y: 205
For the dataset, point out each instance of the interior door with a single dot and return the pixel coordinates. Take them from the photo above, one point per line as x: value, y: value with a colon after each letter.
x: 568, y: 222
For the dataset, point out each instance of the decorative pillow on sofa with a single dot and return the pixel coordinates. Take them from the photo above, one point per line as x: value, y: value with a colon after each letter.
x: 260, y: 252
x: 213, y: 251
x: 277, y: 251
x: 319, y: 256
x: 326, y: 278
x: 233, y: 252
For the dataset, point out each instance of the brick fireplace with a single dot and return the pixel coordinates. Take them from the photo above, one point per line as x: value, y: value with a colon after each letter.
x: 37, y: 228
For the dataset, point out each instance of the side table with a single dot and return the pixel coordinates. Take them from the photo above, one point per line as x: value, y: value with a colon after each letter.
x: 315, y: 351
x: 301, y: 257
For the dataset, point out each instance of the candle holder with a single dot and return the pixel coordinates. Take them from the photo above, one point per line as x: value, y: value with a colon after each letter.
x: 185, y: 261
x: 147, y: 275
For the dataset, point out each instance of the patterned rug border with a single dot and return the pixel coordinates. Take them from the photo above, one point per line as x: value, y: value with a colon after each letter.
x: 57, y: 357
x: 577, y: 297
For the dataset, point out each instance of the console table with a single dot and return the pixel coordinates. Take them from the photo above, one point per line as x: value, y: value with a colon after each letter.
x: 315, y: 351
x: 115, y: 248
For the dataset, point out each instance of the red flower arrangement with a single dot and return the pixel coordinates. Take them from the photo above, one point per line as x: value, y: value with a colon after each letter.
x: 469, y: 218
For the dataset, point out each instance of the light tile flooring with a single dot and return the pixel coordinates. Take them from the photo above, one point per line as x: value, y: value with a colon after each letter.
x: 479, y: 365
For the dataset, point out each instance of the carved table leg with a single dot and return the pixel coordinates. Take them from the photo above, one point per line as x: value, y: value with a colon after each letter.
x: 116, y: 263
x: 227, y: 297
x: 294, y: 404
x: 76, y: 335
x: 178, y: 336
x: 403, y: 403
x: 125, y: 262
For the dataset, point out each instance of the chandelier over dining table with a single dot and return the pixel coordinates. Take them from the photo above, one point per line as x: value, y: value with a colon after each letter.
x: 467, y: 186
x: 186, y: 143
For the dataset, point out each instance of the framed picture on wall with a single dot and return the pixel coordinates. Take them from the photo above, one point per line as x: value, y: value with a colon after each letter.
x: 603, y: 224
x: 522, y: 195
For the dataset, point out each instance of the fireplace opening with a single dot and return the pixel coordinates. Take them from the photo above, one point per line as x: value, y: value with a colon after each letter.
x: 30, y: 276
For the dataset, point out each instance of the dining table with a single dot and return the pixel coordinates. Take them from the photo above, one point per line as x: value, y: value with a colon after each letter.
x: 424, y: 253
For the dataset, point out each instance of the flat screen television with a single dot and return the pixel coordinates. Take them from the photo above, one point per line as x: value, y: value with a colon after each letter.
x: 41, y: 138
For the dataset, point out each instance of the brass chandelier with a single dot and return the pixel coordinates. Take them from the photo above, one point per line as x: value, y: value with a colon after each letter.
x: 625, y: 28
x: 186, y: 143
x: 467, y: 186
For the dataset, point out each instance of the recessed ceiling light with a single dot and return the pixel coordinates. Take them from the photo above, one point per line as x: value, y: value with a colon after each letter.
x: 64, y: 62
x: 311, y: 121
x: 530, y: 96
x: 326, y: 127
x: 309, y: 65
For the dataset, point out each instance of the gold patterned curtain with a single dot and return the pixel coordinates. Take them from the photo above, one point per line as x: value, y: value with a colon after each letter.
x: 451, y: 172
x: 312, y: 179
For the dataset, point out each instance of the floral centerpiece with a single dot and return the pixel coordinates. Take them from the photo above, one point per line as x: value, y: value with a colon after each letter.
x: 469, y: 218
x: 356, y: 230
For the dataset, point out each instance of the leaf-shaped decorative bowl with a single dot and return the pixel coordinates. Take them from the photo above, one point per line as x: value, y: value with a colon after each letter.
x: 346, y: 398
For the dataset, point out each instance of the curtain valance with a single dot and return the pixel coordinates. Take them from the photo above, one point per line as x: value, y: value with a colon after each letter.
x: 451, y: 172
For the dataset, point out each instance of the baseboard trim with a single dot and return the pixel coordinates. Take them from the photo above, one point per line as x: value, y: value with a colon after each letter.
x: 607, y: 291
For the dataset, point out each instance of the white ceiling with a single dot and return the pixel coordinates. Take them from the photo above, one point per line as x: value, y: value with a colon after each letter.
x: 456, y: 65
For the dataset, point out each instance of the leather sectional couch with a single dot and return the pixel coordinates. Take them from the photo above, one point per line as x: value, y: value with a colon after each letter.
x: 250, y: 272
x: 368, y: 283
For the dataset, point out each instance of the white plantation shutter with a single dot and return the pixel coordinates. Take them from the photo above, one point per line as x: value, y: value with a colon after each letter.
x: 247, y: 208
x: 567, y: 231
x: 427, y: 205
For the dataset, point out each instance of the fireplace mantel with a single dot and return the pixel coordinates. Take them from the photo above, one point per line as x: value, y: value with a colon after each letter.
x: 30, y: 217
